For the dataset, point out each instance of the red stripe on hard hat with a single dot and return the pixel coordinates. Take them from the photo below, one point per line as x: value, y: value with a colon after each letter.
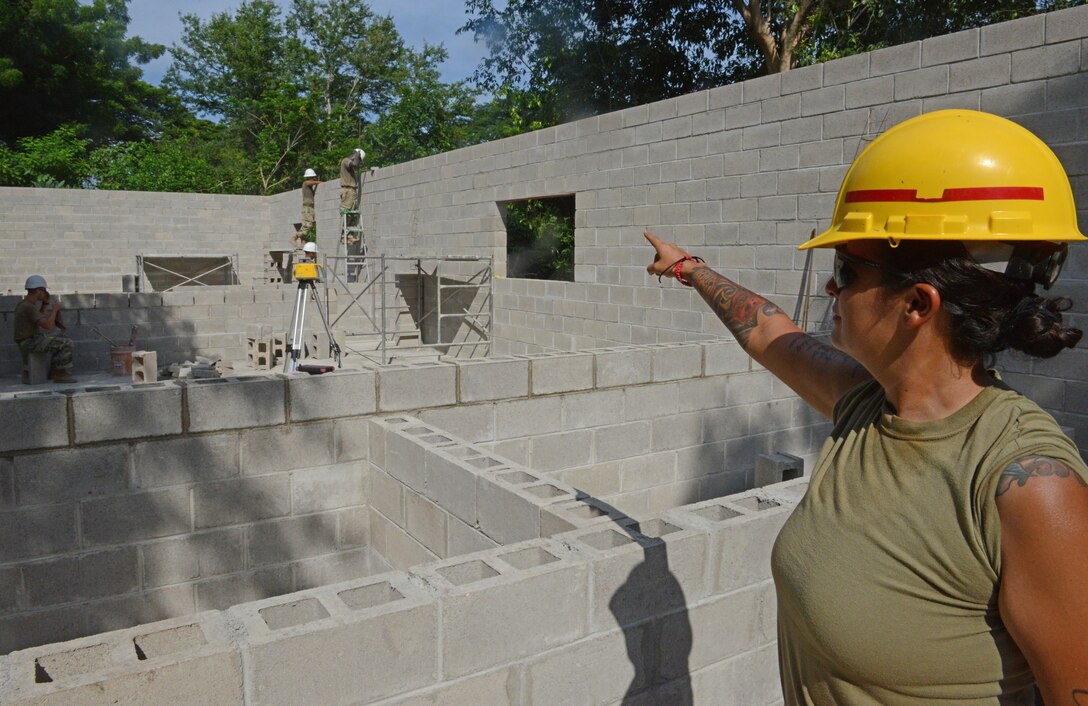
x: 981, y: 193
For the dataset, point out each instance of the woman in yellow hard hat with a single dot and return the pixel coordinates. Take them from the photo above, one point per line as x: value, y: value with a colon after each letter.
x: 940, y: 554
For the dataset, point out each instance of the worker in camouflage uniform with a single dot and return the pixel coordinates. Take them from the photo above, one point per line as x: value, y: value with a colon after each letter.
x: 34, y: 315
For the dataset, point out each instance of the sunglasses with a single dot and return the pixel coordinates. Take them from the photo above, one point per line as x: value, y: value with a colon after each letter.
x: 844, y: 273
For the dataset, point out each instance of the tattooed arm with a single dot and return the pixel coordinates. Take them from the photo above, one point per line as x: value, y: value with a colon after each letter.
x: 813, y: 369
x: 1043, y: 596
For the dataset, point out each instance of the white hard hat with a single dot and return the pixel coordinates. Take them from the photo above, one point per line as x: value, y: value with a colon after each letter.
x: 362, y: 154
x: 309, y: 247
x: 309, y: 173
x: 36, y: 282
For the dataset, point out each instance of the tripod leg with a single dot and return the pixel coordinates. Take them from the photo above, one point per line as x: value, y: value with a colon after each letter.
x: 290, y: 364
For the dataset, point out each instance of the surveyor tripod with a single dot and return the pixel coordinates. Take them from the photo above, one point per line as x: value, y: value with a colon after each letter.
x: 298, y: 323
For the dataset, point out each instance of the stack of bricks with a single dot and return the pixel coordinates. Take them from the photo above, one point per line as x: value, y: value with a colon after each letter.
x: 260, y: 348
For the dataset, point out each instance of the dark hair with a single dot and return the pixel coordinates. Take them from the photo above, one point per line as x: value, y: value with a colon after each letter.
x: 990, y: 312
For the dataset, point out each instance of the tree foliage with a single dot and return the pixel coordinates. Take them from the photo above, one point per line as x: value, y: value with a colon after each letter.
x: 67, y: 63
x: 540, y: 238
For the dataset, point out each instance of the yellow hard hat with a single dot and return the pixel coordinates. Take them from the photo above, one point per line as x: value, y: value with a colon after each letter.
x: 954, y: 175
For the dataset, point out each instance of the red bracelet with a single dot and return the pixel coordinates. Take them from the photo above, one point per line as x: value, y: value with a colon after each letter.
x: 679, y: 264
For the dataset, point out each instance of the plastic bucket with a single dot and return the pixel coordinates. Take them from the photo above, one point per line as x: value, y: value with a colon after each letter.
x: 121, y: 360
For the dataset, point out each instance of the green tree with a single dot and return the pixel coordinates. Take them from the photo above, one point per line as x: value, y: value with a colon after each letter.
x: 540, y: 238
x: 300, y: 90
x: 556, y: 60
x: 57, y: 159
x: 63, y: 62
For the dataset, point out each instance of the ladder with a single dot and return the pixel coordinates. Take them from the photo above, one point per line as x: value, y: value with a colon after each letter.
x: 351, y: 249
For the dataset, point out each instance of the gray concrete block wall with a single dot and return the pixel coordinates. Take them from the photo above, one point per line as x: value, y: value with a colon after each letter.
x: 620, y: 610
x: 284, y: 491
x: 178, y: 325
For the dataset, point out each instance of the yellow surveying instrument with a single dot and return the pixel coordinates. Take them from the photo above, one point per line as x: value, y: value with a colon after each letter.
x: 307, y: 274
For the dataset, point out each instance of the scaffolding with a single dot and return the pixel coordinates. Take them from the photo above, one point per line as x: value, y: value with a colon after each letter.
x: 458, y: 305
x: 167, y: 272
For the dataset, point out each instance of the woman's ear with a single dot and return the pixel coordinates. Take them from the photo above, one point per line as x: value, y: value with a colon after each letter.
x: 923, y: 303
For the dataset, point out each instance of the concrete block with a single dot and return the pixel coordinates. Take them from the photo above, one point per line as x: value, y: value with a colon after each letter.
x: 594, y: 670
x: 405, y: 459
x: 980, y: 73
x: 291, y: 539
x: 127, y: 518
x: 621, y: 367
x: 519, y: 418
x: 387, y: 496
x: 11, y: 585
x: 147, y: 664
x: 145, y: 366
x: 1045, y: 62
x: 222, y: 593
x: 57, y: 476
x: 474, y: 423
x: 505, y: 515
x: 7, y: 484
x: 287, y: 448
x: 676, y: 362
x: 823, y: 100
x: 150, y: 410
x: 552, y: 452
x: 373, y: 654
x: 740, y: 549
x: 426, y: 522
x: 485, y: 624
x: 352, y: 439
x: 561, y: 373
x: 452, y: 484
x: 398, y: 547
x: 464, y: 539
x: 636, y: 578
x: 873, y: 91
x: 724, y: 358
x: 499, y: 686
x: 328, y: 488
x: 40, y: 627
x: 932, y: 81
x: 1066, y: 25
x: 777, y: 467
x: 38, y: 366
x: 192, y: 557
x: 412, y: 387
x: 892, y: 60
x: 336, y: 568
x: 234, y: 403
x: 355, y: 528
x: 338, y: 394
x: 244, y: 500
x: 950, y: 48
x: 37, y: 532
x: 83, y: 577
x: 1013, y: 35
x: 492, y: 379
x: 140, y: 608
x: 34, y: 422
x: 846, y: 70
x: 724, y: 627
x: 622, y: 441
x: 186, y: 460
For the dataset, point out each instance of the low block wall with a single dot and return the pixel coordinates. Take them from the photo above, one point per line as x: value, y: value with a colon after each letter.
x: 677, y: 609
x: 128, y: 504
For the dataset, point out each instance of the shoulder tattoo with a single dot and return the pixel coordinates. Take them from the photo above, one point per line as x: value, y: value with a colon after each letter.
x: 1020, y: 471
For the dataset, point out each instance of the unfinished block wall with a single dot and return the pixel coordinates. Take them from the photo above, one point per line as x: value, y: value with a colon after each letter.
x: 675, y: 609
x: 134, y: 503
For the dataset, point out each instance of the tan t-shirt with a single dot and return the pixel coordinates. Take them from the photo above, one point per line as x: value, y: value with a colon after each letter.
x: 887, y: 572
x: 348, y: 179
x: 26, y: 321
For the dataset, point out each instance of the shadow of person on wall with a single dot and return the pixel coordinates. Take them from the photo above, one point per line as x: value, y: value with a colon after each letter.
x: 651, y: 609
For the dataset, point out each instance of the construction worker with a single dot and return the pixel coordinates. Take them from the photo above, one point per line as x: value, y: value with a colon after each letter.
x: 307, y: 229
x: 309, y: 251
x: 349, y: 180
x: 35, y: 314
x: 938, y: 553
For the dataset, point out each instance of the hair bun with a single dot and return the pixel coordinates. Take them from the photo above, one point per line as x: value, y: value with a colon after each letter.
x: 1034, y: 326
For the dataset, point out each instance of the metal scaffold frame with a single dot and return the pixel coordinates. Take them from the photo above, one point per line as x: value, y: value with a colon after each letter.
x: 479, y: 317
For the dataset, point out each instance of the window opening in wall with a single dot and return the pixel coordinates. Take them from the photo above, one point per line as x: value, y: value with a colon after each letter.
x: 540, y: 238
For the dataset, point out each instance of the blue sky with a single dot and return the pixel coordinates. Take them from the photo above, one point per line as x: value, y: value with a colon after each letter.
x: 433, y: 21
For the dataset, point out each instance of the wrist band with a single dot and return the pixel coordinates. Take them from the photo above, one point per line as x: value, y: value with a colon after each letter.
x: 677, y: 266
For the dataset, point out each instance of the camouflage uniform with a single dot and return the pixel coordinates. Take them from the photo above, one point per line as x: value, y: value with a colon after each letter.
x: 61, y: 347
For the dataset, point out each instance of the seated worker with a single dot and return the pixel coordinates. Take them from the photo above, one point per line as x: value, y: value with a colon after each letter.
x: 32, y: 320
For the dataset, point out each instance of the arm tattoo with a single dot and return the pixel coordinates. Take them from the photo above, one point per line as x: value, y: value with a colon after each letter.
x: 737, y: 307
x: 822, y: 354
x: 1022, y: 470
x: 1080, y: 697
